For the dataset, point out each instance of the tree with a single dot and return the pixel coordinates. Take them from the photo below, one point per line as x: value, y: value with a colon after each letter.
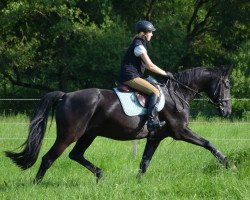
x: 69, y: 45
x: 43, y: 45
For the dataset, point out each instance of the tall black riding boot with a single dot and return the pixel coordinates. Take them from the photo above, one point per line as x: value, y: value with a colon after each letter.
x: 153, y: 122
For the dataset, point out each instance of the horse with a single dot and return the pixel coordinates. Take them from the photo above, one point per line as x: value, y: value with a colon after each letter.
x: 83, y: 115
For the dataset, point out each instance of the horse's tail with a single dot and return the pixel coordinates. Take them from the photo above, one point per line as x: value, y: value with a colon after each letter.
x: 38, y: 122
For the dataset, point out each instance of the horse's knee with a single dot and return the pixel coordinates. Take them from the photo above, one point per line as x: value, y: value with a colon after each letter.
x: 72, y: 156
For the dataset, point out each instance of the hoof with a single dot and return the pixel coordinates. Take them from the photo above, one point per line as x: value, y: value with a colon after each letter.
x: 233, y: 167
x: 99, y: 176
x: 139, y: 175
x: 37, y: 181
x: 229, y: 164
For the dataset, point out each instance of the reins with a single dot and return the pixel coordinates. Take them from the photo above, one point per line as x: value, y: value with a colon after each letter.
x: 183, y: 100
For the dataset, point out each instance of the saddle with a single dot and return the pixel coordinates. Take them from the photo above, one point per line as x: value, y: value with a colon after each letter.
x: 134, y: 102
x: 141, y: 97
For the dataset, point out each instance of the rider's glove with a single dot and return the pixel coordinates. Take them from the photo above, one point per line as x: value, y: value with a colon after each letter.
x: 169, y: 75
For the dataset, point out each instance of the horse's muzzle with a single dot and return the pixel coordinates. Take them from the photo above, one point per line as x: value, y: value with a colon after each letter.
x: 225, y: 111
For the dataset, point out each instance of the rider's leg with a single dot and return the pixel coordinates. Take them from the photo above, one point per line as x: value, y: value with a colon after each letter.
x: 153, y: 122
x: 143, y: 86
x: 153, y: 93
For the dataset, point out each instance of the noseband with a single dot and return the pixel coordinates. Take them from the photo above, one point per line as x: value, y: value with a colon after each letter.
x: 219, y: 88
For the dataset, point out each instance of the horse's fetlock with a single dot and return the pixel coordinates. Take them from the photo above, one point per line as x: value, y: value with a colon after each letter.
x: 99, y: 175
x: 207, y: 143
x: 225, y: 161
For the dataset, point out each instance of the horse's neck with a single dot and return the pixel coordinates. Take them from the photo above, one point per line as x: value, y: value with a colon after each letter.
x: 197, y: 85
x: 200, y: 83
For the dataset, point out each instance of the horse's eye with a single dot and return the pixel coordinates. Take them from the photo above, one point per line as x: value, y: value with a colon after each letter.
x: 227, y: 84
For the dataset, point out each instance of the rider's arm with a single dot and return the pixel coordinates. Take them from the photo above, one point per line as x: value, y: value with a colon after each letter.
x: 151, y: 66
x: 142, y: 52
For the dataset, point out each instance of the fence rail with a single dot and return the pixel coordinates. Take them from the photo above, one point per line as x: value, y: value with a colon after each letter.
x: 241, y: 99
x: 19, y: 99
x: 199, y: 107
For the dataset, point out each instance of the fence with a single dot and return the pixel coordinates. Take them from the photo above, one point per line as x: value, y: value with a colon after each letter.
x: 12, y: 106
x: 16, y: 130
x: 199, y: 107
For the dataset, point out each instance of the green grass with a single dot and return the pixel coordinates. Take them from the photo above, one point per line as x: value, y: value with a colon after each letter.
x: 178, y: 170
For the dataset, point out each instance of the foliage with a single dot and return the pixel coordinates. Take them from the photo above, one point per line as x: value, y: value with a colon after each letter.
x: 69, y: 45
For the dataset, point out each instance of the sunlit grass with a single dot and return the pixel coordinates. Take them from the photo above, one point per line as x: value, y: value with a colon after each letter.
x: 178, y: 170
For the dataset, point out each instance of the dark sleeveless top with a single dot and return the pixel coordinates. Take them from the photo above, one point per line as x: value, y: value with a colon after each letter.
x: 132, y: 66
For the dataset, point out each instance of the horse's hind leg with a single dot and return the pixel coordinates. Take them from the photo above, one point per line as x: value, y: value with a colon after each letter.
x: 55, y: 151
x: 77, y: 154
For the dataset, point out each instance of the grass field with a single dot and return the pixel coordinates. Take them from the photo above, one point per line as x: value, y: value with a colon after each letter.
x: 178, y: 170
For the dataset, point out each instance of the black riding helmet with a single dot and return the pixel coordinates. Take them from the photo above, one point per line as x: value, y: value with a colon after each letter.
x: 144, y: 26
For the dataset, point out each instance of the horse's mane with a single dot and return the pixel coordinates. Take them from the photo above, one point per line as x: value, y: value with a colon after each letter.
x: 190, y: 75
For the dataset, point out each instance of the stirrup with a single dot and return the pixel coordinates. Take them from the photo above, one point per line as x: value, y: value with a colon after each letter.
x: 154, y: 126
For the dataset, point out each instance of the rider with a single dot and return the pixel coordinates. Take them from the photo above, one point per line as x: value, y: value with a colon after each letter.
x: 133, y: 66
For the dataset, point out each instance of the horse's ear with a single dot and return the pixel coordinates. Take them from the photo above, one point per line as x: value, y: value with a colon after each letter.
x: 230, y: 68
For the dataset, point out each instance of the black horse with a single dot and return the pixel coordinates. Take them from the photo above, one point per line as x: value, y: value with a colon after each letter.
x: 83, y: 115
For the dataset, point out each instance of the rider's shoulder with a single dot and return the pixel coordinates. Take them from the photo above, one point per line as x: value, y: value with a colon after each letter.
x: 138, y: 41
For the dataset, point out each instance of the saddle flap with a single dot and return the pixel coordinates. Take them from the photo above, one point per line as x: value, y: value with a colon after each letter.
x: 142, y: 98
x: 133, y: 102
x: 124, y: 88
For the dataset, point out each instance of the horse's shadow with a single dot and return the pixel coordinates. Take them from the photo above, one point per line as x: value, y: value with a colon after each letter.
x: 5, y: 186
x: 237, y: 157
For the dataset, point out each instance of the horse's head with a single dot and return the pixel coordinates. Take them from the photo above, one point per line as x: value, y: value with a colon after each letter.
x: 218, y: 90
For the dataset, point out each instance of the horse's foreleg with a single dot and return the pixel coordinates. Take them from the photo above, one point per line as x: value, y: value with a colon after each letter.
x: 189, y: 136
x: 148, y: 153
x: 77, y: 154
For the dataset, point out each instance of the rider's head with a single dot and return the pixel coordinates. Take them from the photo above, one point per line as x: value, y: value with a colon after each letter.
x: 145, y: 29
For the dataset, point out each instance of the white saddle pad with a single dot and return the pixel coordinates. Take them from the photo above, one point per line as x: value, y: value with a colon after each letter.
x: 132, y: 107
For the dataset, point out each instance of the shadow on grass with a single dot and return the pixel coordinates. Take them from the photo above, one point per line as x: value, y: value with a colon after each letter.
x: 45, y: 184
x: 59, y: 183
x: 238, y: 158
x: 6, y: 186
x: 3, y: 187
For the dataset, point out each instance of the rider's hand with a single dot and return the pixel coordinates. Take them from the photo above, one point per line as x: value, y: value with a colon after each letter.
x: 169, y: 75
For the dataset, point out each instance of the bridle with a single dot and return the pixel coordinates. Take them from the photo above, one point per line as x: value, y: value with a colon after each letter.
x: 218, y: 104
x: 219, y: 88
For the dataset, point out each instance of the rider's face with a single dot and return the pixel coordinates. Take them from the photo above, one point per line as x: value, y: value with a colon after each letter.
x: 148, y: 35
